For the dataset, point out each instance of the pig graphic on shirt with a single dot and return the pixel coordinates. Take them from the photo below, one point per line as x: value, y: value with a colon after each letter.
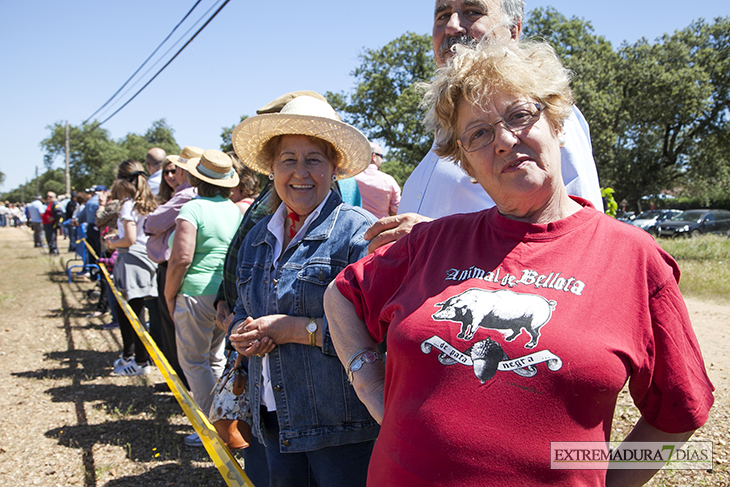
x: 504, y: 311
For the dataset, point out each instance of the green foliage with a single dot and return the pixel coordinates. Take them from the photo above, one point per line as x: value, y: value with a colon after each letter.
x: 384, y: 104
x: 658, y: 112
x: 94, y: 155
x: 227, y: 133
x: 2, y: 178
x: 158, y: 135
x: 609, y: 203
x: 398, y: 170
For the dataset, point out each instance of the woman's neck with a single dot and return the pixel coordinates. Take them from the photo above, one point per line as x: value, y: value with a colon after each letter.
x: 557, y: 207
x: 292, y: 224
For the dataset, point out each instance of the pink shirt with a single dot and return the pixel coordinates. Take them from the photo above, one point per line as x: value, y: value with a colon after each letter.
x: 379, y: 191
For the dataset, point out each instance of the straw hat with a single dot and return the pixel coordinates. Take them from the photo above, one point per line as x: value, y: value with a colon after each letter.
x: 189, y: 152
x: 214, y: 167
x: 303, y: 115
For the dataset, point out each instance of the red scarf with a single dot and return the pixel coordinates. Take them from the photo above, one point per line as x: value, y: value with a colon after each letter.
x: 291, y: 215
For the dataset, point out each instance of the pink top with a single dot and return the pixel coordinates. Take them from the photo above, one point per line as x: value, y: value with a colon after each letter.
x: 379, y: 191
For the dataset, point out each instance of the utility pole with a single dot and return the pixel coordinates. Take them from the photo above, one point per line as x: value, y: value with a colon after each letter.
x: 37, y: 189
x: 68, y: 175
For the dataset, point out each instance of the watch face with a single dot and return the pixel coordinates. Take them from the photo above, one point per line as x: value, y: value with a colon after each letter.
x: 311, y: 327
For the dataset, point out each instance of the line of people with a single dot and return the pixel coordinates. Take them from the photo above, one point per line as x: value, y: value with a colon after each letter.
x: 508, y: 322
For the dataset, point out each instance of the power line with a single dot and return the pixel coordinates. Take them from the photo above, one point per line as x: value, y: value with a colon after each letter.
x: 165, y: 54
x: 165, y: 66
x: 145, y: 62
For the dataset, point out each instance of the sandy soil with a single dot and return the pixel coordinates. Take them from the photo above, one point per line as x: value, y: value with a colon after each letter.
x: 66, y: 421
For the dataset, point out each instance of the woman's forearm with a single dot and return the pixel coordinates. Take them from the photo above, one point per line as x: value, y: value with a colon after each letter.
x: 350, y: 335
x: 642, y: 431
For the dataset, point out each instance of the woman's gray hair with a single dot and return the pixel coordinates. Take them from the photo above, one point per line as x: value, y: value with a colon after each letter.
x: 529, y: 69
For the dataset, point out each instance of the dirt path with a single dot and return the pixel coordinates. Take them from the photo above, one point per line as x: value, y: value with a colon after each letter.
x: 66, y: 421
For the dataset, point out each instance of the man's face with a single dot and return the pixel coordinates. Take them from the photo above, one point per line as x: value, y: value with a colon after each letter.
x: 464, y: 22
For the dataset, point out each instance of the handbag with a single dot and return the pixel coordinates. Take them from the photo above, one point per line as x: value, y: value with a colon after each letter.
x: 230, y: 412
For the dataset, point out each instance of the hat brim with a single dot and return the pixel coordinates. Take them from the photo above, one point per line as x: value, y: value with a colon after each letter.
x: 192, y: 168
x: 250, y: 136
x: 178, y: 161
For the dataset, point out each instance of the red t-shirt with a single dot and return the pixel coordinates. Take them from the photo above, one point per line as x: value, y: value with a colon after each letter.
x: 504, y: 336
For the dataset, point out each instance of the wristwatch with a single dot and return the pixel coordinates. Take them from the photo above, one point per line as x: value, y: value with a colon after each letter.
x: 367, y: 356
x: 312, y: 329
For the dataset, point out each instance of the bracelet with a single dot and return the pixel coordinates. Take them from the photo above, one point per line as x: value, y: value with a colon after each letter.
x: 356, y: 355
x: 360, y: 358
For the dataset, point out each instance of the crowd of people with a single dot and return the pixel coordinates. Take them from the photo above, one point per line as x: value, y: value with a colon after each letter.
x: 340, y: 334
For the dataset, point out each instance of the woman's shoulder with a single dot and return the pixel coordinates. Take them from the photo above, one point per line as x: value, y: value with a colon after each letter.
x: 356, y: 214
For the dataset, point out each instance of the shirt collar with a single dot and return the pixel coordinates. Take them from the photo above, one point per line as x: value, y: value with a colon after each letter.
x: 278, y: 219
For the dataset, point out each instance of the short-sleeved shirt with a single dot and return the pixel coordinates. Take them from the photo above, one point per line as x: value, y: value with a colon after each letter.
x: 216, y: 220
x: 505, y: 336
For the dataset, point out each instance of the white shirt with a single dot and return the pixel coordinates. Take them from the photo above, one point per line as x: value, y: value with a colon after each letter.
x: 276, y: 227
x: 154, y: 182
x: 438, y: 187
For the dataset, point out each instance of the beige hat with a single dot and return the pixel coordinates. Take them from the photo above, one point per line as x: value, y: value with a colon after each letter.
x: 189, y: 152
x: 303, y: 115
x: 214, y: 167
x: 276, y: 105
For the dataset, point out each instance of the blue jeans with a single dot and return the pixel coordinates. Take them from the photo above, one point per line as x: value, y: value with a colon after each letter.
x: 333, y: 466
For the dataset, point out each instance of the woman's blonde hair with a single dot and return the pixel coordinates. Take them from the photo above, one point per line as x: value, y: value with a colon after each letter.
x: 132, y: 183
x: 478, y: 73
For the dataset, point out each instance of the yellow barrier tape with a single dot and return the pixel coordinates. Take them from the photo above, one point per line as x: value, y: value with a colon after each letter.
x: 228, y: 467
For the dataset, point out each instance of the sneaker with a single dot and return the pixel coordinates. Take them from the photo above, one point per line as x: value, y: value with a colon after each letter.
x: 132, y: 369
x: 122, y: 361
x: 193, y: 440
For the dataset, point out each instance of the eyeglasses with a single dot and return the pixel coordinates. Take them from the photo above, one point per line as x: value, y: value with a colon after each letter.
x: 519, y: 118
x: 379, y: 155
x: 169, y: 171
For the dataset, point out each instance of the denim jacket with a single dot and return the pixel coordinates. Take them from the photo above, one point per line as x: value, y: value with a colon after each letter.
x: 315, y: 404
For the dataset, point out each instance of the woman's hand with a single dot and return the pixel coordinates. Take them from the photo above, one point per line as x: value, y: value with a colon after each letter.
x: 223, y: 316
x: 248, y: 339
x: 171, y: 306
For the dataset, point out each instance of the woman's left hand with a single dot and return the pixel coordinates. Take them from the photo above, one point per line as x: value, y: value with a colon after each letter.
x: 278, y: 329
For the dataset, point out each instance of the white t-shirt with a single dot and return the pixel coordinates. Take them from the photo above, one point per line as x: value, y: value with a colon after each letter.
x: 127, y: 212
x: 438, y: 187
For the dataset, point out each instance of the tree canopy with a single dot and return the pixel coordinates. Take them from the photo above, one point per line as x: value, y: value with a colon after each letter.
x: 385, y: 103
x: 94, y: 155
x: 658, y: 112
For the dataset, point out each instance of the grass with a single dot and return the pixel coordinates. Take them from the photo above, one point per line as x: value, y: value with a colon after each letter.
x: 705, y: 265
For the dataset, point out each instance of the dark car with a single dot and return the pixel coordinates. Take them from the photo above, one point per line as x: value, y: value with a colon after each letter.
x: 692, y: 223
x: 649, y: 220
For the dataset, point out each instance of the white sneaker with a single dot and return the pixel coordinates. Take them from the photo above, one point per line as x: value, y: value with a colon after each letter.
x: 122, y: 361
x: 132, y: 368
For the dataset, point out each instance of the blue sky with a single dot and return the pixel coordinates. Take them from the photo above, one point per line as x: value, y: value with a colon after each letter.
x: 62, y: 60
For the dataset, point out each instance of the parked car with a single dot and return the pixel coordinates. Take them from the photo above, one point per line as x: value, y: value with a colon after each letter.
x: 692, y: 223
x: 648, y: 220
x: 625, y: 216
